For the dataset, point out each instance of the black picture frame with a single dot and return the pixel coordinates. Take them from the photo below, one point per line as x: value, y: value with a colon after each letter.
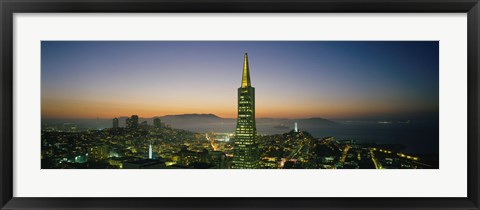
x: 9, y: 7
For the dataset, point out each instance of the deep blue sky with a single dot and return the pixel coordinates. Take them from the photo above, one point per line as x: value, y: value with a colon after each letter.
x: 335, y: 80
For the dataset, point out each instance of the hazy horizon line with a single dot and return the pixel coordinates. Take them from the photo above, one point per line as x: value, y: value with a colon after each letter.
x: 287, y: 118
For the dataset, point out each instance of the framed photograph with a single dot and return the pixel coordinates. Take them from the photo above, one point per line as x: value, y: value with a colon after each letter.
x: 239, y: 105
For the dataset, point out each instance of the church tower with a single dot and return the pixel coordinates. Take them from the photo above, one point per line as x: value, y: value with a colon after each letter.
x: 246, y: 152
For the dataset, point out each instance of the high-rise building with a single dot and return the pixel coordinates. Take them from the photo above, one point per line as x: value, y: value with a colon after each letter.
x: 115, y: 122
x: 246, y: 152
x: 127, y: 122
x: 157, y: 123
x: 132, y: 122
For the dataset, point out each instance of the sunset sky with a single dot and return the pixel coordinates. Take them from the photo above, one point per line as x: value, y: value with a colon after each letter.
x: 294, y: 79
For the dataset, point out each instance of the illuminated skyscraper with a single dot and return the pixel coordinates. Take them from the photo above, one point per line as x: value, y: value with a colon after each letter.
x: 246, y: 151
x: 115, y: 122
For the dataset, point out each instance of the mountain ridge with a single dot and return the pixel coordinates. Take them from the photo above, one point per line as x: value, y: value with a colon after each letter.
x: 205, y: 122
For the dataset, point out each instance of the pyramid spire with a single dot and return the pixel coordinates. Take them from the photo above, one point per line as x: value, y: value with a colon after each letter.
x: 246, y: 72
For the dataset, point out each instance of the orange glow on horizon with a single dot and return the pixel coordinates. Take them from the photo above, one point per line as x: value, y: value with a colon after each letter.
x: 76, y: 109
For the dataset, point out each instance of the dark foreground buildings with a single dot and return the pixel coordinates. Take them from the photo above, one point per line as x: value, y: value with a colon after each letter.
x: 246, y: 153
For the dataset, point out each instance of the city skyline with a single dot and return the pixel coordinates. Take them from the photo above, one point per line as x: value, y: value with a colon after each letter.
x: 184, y: 144
x: 334, y: 80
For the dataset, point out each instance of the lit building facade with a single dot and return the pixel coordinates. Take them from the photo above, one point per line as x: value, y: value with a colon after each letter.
x: 98, y: 152
x: 246, y: 152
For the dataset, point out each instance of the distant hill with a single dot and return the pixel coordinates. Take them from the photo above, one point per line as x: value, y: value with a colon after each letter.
x: 198, y: 122
x: 191, y: 117
x: 211, y: 122
x: 316, y: 122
